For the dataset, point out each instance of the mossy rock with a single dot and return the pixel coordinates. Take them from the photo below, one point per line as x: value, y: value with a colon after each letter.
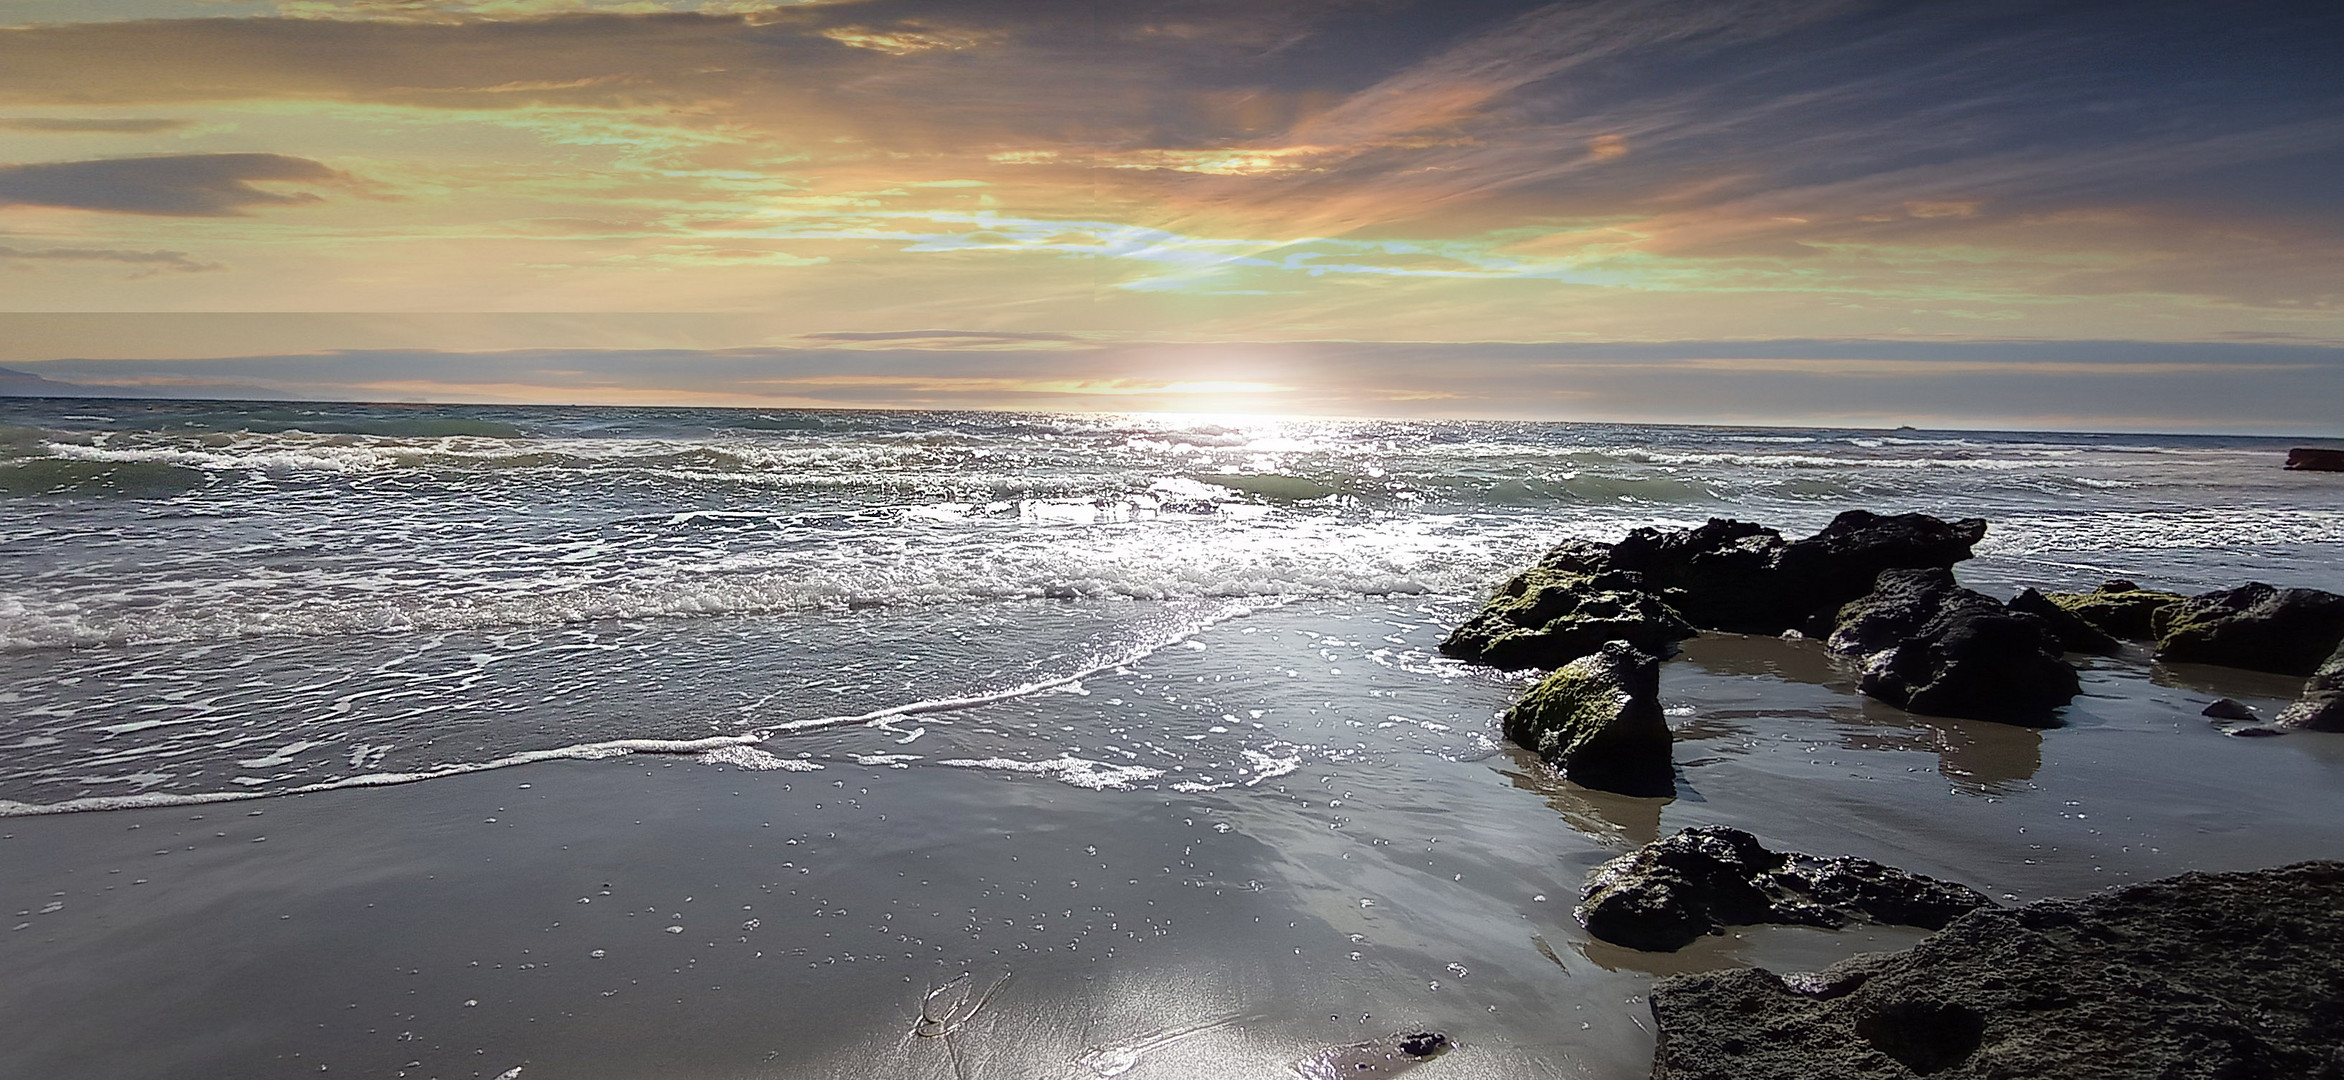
x: 2256, y: 626
x: 2322, y: 706
x: 1598, y: 719
x: 1546, y: 617
x: 2119, y: 609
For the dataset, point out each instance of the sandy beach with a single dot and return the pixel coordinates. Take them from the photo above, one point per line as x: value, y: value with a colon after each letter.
x: 663, y: 916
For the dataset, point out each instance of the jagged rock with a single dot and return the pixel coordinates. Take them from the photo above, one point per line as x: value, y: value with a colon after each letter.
x: 2321, y: 708
x: 2197, y: 977
x: 1598, y: 719
x: 1549, y: 616
x: 1932, y: 647
x: 1843, y: 561
x: 2255, y: 626
x: 1722, y: 574
x: 2118, y: 608
x: 1656, y: 586
x: 1701, y: 880
x: 2075, y: 634
x: 1733, y: 575
x: 2229, y: 709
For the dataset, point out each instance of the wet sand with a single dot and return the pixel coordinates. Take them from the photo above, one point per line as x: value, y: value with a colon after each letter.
x: 663, y: 917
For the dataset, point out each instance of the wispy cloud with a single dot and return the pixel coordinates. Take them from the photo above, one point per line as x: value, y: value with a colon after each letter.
x: 64, y: 125
x: 178, y: 185
x: 143, y: 261
x: 1062, y: 178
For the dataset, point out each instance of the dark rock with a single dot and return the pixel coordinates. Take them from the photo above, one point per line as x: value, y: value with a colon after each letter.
x: 1701, y: 880
x: 2198, y: 977
x: 2255, y: 626
x: 1598, y: 719
x: 1549, y: 616
x: 2118, y: 608
x: 2229, y: 709
x: 1733, y: 575
x: 2255, y: 732
x: 1723, y: 574
x: 1390, y: 1055
x: 1656, y: 586
x: 2321, y: 708
x: 1843, y: 561
x: 2075, y: 634
x: 1420, y: 1043
x: 1932, y: 647
x: 2316, y: 459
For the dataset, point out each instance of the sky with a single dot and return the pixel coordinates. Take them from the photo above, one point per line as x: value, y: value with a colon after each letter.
x: 2064, y: 214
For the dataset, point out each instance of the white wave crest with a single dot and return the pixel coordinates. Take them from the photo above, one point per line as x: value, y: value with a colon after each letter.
x: 1068, y: 769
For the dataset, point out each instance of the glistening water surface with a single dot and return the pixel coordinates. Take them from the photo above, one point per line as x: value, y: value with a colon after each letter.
x: 1141, y: 715
x: 200, y: 599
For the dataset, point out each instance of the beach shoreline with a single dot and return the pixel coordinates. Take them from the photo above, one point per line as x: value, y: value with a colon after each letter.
x: 1206, y: 931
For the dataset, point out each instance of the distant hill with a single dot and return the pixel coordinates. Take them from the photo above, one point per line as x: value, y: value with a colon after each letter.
x: 14, y: 383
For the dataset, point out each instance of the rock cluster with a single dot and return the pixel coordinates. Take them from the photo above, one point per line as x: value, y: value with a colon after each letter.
x: 2198, y: 976
x: 2254, y: 626
x: 1701, y: 880
x: 1598, y: 719
x: 1930, y: 646
x: 1882, y: 587
x: 1655, y: 587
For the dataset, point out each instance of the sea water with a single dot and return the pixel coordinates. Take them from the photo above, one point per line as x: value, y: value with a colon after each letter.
x: 205, y: 599
x: 632, y: 742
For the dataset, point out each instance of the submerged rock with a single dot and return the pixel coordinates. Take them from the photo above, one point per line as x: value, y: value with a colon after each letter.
x: 1658, y: 586
x: 1701, y: 880
x: 2212, y: 976
x: 2075, y: 634
x: 2118, y: 608
x: 2321, y: 708
x: 1932, y: 647
x: 1549, y: 616
x: 1598, y: 719
x: 2257, y: 627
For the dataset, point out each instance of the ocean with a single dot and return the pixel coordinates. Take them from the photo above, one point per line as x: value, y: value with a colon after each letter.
x: 1173, y: 677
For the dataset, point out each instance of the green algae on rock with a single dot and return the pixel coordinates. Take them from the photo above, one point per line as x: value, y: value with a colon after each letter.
x: 2256, y: 626
x: 2075, y: 634
x: 1598, y: 719
x: 2199, y: 976
x: 2118, y: 608
x: 1547, y: 617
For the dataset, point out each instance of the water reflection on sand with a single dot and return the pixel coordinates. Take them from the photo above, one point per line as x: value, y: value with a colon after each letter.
x: 1294, y: 839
